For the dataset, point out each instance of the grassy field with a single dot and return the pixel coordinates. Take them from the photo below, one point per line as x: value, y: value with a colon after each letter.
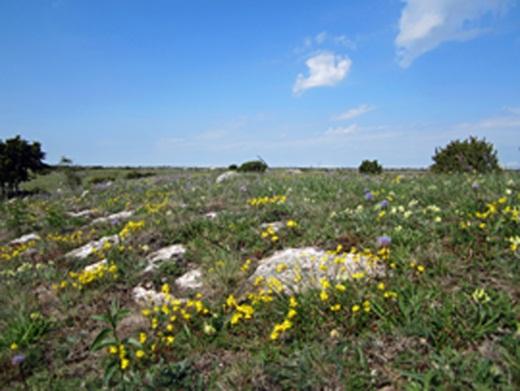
x: 444, y: 314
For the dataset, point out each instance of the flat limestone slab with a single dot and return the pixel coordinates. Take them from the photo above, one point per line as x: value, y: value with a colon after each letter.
x: 116, y: 217
x: 171, y: 253
x: 25, y: 238
x: 89, y: 248
x: 299, y: 269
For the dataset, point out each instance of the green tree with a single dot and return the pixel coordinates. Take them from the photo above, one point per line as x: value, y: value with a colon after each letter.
x: 465, y: 156
x: 370, y: 167
x: 18, y: 158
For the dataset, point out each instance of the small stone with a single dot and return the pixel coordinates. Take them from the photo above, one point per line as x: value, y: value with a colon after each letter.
x: 171, y: 253
x: 190, y: 280
x: 275, y: 226
x: 226, y: 176
x: 211, y: 215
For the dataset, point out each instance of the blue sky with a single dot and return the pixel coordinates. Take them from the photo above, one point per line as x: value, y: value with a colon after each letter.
x: 299, y: 83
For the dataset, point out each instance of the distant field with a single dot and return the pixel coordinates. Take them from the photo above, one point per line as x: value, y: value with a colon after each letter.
x: 414, y: 282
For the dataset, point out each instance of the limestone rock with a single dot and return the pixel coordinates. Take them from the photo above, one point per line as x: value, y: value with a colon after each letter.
x: 89, y: 248
x: 275, y: 226
x: 25, y: 238
x: 114, y: 218
x: 81, y: 213
x: 225, y: 176
x: 171, y: 253
x: 190, y: 280
x: 299, y: 269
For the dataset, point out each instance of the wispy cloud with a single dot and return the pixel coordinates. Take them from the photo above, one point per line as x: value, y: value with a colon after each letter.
x: 325, y: 40
x: 341, y: 130
x: 325, y: 69
x: 354, y: 112
x: 425, y: 24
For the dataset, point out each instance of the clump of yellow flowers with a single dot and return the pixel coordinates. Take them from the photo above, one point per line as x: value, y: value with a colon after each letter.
x: 131, y: 227
x: 261, y: 201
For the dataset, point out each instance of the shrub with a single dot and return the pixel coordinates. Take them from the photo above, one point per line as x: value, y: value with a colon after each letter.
x: 467, y: 155
x: 72, y: 177
x: 137, y: 175
x: 370, y: 167
x: 253, y: 166
x: 233, y: 167
x: 101, y: 179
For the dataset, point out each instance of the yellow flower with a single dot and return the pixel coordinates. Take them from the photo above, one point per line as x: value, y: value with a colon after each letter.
x: 420, y: 268
x: 480, y: 296
x: 292, y: 302
x: 291, y: 314
x: 139, y: 354
x: 355, y: 308
x: 324, y: 296
x: 125, y: 363
x: 292, y: 224
x: 170, y: 339
x: 142, y: 337
x: 112, y: 349
x: 335, y: 307
x: 340, y: 288
x: 209, y: 329
x: 381, y: 286
x: 14, y: 346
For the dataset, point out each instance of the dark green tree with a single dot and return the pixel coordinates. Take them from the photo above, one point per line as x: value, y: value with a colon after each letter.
x: 370, y: 167
x: 466, y: 156
x: 18, y: 158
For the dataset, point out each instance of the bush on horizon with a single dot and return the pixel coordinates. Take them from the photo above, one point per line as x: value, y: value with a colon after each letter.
x: 370, y: 167
x: 470, y: 155
x: 253, y: 166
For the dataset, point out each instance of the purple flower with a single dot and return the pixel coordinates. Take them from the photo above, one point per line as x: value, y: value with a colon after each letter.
x: 475, y: 186
x: 368, y: 196
x: 383, y: 204
x: 384, y: 241
x: 18, y: 359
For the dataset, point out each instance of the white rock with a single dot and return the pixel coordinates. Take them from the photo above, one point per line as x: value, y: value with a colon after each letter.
x: 225, y: 176
x: 211, y: 215
x: 302, y: 268
x: 25, y: 238
x: 147, y: 297
x: 124, y: 215
x: 276, y: 225
x: 294, y: 171
x: 81, y: 213
x: 190, y: 280
x: 173, y: 252
x: 89, y: 248
x: 94, y: 266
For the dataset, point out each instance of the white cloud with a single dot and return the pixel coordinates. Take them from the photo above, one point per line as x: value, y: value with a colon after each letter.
x: 325, y: 69
x: 325, y: 40
x: 354, y: 112
x: 425, y: 24
x: 513, y: 110
x: 342, y: 130
x: 321, y: 37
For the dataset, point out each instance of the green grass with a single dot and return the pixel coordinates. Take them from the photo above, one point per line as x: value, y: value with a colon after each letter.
x: 438, y: 332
